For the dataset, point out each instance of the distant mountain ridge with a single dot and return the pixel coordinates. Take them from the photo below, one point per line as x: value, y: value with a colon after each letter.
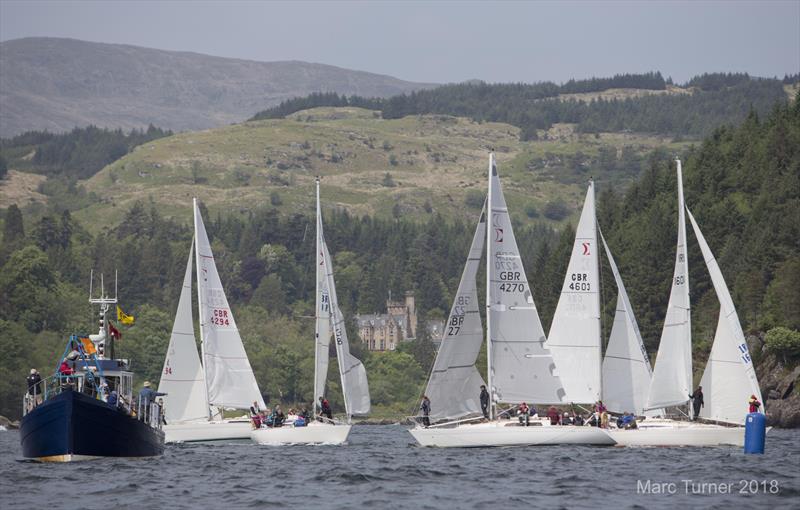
x: 57, y: 84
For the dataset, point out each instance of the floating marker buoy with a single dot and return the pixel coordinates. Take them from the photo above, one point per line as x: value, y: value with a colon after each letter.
x: 755, y: 433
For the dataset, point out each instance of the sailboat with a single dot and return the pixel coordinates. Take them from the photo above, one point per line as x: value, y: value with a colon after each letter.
x: 621, y: 379
x: 355, y: 388
x: 729, y: 377
x: 197, y: 393
x: 519, y: 366
x: 574, y: 338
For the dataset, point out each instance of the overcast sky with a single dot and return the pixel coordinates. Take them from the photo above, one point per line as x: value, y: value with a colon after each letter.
x: 445, y: 41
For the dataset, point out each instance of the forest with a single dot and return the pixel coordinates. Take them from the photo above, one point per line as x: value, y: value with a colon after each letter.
x: 716, y: 99
x: 742, y: 184
x: 79, y: 154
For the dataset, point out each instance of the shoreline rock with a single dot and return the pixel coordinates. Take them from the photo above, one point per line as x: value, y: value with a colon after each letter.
x: 7, y: 423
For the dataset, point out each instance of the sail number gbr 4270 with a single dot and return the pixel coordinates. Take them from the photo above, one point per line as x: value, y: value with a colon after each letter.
x: 510, y: 281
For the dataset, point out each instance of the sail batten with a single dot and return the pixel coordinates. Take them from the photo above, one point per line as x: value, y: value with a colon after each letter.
x: 229, y: 377
x: 574, y: 338
x: 182, y: 376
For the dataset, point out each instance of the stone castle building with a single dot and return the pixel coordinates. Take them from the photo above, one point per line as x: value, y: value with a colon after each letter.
x: 385, y: 331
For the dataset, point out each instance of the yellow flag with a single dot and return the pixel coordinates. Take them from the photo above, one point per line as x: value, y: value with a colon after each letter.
x: 123, y: 317
x: 88, y: 346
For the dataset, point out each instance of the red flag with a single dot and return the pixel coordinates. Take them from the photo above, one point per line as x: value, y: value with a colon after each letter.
x: 114, y: 331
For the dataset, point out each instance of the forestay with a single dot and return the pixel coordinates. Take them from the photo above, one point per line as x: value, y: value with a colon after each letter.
x: 574, y: 338
x: 229, y: 377
x: 729, y: 378
x: 672, y: 377
x: 454, y: 385
x: 626, y: 367
x: 522, y: 368
x: 354, y: 376
x: 182, y: 376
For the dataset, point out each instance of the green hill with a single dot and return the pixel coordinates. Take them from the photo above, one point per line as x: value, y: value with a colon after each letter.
x: 433, y: 162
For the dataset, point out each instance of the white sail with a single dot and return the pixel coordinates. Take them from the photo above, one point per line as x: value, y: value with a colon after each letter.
x: 455, y: 382
x: 729, y: 378
x: 229, y: 377
x: 574, y: 339
x: 322, y: 334
x: 626, y: 367
x: 182, y: 376
x: 354, y: 376
x: 671, y: 384
x: 521, y: 367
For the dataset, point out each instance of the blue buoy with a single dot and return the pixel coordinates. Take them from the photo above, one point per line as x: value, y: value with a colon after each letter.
x: 755, y: 433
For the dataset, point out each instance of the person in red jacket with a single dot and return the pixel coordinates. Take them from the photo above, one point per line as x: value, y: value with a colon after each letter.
x: 65, y: 369
x: 754, y: 404
x: 554, y: 415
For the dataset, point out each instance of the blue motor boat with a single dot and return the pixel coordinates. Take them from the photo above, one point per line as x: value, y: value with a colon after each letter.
x: 87, y: 409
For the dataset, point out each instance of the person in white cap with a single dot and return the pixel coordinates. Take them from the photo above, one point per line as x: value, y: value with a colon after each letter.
x: 148, y: 395
x: 34, y: 382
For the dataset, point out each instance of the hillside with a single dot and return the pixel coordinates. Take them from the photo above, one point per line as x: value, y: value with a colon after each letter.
x: 434, y: 163
x: 57, y: 84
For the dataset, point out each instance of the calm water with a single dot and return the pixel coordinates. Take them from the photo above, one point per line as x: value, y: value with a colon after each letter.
x: 380, y: 468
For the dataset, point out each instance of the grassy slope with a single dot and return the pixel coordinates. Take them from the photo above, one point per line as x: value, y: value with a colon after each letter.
x: 439, y: 158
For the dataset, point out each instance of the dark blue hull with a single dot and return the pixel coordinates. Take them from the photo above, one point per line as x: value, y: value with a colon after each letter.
x: 72, y: 426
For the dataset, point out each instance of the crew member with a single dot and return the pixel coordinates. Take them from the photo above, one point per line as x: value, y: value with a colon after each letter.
x: 484, y: 402
x: 425, y: 407
x: 697, y: 401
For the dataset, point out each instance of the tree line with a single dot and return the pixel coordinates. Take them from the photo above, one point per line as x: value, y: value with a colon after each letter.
x: 717, y: 99
x: 79, y: 154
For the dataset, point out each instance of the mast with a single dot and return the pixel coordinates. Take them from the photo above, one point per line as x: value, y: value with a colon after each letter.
x: 600, y: 282
x: 105, y: 303
x: 684, y: 253
x: 488, y: 288
x: 200, y: 317
x: 317, y: 309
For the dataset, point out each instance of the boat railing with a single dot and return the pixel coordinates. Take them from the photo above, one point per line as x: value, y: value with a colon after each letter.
x: 150, y: 413
x: 57, y: 384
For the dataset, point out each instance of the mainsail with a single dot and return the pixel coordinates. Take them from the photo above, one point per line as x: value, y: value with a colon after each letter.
x: 322, y: 336
x: 182, y: 376
x: 455, y: 381
x: 521, y: 368
x: 574, y: 338
x: 626, y: 367
x: 229, y: 377
x: 672, y: 377
x: 729, y: 378
x: 354, y: 376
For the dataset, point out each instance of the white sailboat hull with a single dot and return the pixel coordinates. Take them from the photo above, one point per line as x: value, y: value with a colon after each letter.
x: 678, y: 433
x: 509, y: 433
x: 313, y: 433
x: 190, y: 431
